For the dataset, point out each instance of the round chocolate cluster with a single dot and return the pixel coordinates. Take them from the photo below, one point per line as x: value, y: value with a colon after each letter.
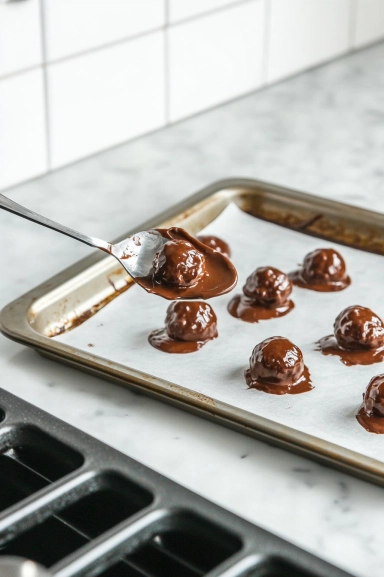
x: 178, y: 263
x: 358, y: 327
x: 324, y: 265
x: 374, y: 397
x: 268, y: 286
x: 191, y: 321
x: 323, y: 270
x: 276, y: 361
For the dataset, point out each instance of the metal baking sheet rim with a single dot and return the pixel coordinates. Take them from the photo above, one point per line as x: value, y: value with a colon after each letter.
x: 14, y: 324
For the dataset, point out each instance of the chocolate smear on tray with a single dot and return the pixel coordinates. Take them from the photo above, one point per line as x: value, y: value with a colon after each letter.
x: 188, y: 326
x: 266, y: 296
x: 323, y: 270
x: 277, y: 367
x: 185, y: 268
x: 371, y: 412
x: 358, y: 337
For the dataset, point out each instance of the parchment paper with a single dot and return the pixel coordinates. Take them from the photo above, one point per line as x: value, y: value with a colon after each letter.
x: 119, y: 332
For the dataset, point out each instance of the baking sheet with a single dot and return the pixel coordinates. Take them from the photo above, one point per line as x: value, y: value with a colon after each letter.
x: 119, y: 333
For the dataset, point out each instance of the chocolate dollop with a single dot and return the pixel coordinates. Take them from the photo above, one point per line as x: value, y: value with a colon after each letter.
x: 188, y: 326
x: 178, y: 263
x: 277, y: 367
x: 216, y: 243
x: 374, y: 397
x: 268, y: 286
x: 371, y: 412
x: 358, y: 337
x: 266, y: 296
x: 191, y: 321
x: 323, y: 270
x: 358, y: 327
x: 185, y: 268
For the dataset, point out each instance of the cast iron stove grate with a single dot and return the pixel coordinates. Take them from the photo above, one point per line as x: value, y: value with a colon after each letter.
x: 79, y: 508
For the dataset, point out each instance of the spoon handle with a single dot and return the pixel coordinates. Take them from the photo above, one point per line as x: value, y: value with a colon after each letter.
x: 11, y: 206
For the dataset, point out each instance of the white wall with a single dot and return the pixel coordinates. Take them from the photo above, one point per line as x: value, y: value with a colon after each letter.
x: 79, y: 76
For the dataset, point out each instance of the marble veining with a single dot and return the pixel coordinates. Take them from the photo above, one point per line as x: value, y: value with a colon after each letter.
x: 322, y: 132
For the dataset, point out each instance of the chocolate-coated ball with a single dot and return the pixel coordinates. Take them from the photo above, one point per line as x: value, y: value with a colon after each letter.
x: 268, y: 287
x: 276, y: 361
x: 191, y: 321
x: 358, y: 327
x: 324, y: 265
x: 178, y: 263
x: 374, y: 397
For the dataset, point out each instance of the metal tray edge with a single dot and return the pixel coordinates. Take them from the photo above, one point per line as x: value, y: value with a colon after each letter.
x: 14, y: 325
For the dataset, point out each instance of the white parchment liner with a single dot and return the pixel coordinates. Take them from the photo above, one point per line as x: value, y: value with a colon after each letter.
x: 119, y: 332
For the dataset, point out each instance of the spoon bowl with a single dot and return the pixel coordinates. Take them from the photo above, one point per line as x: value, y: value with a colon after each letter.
x: 137, y: 254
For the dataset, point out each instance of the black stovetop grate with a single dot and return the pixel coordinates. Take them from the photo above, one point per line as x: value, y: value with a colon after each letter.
x: 80, y: 508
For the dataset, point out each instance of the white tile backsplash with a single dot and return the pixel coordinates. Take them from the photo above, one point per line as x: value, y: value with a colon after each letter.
x: 105, y: 97
x: 78, y: 25
x: 215, y: 58
x: 22, y: 128
x: 182, y: 9
x: 100, y: 72
x: 369, y: 22
x: 303, y: 33
x: 20, y: 36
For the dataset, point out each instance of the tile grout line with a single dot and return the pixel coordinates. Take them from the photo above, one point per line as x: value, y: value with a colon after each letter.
x: 11, y: 75
x: 124, y: 40
x: 266, y: 43
x: 212, y: 11
x: 45, y: 87
x: 106, y: 46
x: 127, y: 39
x: 166, y: 65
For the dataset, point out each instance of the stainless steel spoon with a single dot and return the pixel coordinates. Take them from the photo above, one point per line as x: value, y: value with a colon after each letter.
x: 136, y: 253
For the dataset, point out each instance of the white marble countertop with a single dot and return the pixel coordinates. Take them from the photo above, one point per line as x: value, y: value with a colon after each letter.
x: 322, y: 132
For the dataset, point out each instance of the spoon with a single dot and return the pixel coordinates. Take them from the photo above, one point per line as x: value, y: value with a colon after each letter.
x: 136, y: 253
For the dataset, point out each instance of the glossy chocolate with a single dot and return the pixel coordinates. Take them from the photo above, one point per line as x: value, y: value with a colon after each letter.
x: 358, y: 327
x: 215, y: 243
x: 323, y: 270
x: 266, y: 296
x: 371, y: 412
x: 188, y: 326
x: 185, y: 268
x: 277, y: 367
x: 178, y: 263
x: 358, y: 337
x: 268, y: 287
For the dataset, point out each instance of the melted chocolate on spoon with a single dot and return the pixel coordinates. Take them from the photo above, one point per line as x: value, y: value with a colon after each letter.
x: 216, y: 243
x: 186, y: 268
